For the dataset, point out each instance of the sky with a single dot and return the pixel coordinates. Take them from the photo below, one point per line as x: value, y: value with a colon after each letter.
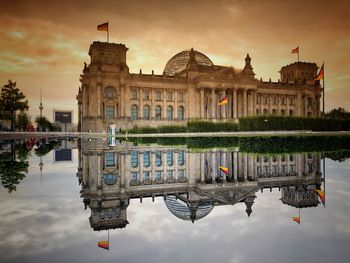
x: 44, y: 44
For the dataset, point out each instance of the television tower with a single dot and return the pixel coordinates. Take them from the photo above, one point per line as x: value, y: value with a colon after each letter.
x: 41, y: 107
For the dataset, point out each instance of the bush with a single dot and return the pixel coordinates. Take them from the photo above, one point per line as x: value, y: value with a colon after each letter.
x: 205, y: 126
x: 268, y: 123
x: 172, y: 129
x: 143, y: 130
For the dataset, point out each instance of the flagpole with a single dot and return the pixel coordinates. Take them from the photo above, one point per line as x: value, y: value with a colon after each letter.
x: 324, y: 179
x: 107, y: 37
x: 323, y: 100
x: 298, y: 55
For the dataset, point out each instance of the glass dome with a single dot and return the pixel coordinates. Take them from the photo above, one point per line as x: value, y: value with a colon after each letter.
x: 179, y: 62
x: 180, y: 209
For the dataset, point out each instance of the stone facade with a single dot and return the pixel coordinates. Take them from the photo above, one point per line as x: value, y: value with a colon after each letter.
x: 189, y: 89
x: 190, y: 181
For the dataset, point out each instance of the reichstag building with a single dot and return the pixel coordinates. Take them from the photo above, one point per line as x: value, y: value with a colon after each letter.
x: 190, y: 88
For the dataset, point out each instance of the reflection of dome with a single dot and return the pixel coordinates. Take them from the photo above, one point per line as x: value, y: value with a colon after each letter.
x: 180, y: 209
x: 179, y: 62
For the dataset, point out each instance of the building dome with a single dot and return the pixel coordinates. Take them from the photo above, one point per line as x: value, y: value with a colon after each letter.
x: 179, y: 62
x: 181, y: 210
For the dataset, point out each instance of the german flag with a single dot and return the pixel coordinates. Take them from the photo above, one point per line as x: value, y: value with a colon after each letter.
x: 296, y: 219
x: 223, y: 169
x: 295, y: 50
x: 321, y: 73
x: 321, y: 195
x: 103, y: 27
x: 223, y: 101
x: 103, y: 244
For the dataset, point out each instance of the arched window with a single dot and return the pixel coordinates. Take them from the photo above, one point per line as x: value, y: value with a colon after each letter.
x: 134, y: 159
x: 146, y: 159
x: 265, y: 111
x: 146, y: 112
x: 158, y: 112
x: 180, y: 113
x: 134, y: 112
x: 291, y: 113
x: 282, y: 112
x: 170, y: 157
x: 158, y: 158
x: 181, y: 157
x: 109, y: 92
x: 273, y: 111
x: 169, y: 113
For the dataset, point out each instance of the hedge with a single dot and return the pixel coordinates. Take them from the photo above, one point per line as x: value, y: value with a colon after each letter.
x: 203, y: 126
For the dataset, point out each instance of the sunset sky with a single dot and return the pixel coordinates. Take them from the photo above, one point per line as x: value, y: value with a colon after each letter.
x: 43, y: 44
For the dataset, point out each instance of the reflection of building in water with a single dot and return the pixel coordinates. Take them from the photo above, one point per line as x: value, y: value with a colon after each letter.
x: 63, y: 153
x: 190, y: 182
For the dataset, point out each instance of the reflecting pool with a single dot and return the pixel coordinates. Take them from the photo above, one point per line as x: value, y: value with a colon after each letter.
x: 161, y: 203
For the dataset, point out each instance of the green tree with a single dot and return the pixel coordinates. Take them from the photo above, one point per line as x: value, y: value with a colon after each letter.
x: 22, y: 121
x: 43, y: 123
x: 12, y: 100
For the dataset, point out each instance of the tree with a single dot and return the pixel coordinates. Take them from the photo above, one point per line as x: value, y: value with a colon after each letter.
x: 22, y: 121
x: 44, y: 123
x: 12, y: 100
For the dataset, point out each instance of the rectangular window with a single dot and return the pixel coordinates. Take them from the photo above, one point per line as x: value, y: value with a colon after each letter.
x: 158, y: 175
x: 274, y: 169
x: 180, y: 97
x: 146, y: 95
x: 291, y: 168
x: 169, y: 96
x: 158, y: 95
x: 146, y: 176
x: 110, y: 159
x: 134, y: 94
x: 134, y: 176
x: 266, y: 169
x: 170, y: 174
x: 110, y: 112
x: 181, y: 173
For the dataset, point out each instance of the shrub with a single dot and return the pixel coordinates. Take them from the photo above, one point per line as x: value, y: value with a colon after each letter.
x: 203, y: 126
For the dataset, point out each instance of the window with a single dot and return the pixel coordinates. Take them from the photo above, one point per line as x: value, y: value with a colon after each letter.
x: 273, y: 111
x: 146, y: 176
x: 110, y: 112
x: 109, y: 92
x: 284, y: 168
x: 291, y: 168
x: 146, y: 159
x: 169, y: 113
x: 170, y: 158
x: 291, y: 158
x: 266, y: 169
x: 310, y: 168
x: 109, y: 179
x: 134, y: 112
x: 158, y: 158
x: 146, y: 112
x: 265, y: 111
x: 134, y: 159
x: 258, y: 99
x: 274, y: 169
x: 291, y: 113
x: 180, y: 113
x: 158, y: 175
x: 274, y: 100
x: 257, y: 111
x: 158, y: 95
x: 110, y: 214
x: 291, y: 101
x: 170, y: 174
x: 180, y: 97
x: 283, y: 101
x: 134, y: 94
x: 265, y: 100
x: 169, y: 96
x: 110, y: 159
x: 181, y: 157
x: 282, y: 112
x: 158, y: 112
x: 283, y: 158
x: 102, y: 214
x: 146, y: 95
x: 181, y: 173
x: 134, y: 176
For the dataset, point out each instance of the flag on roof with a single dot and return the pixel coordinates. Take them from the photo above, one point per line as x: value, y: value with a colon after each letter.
x: 223, y: 101
x: 295, y: 50
x: 224, y: 169
x: 296, y: 219
x: 321, y: 73
x: 103, y: 27
x: 103, y: 244
x: 321, y: 195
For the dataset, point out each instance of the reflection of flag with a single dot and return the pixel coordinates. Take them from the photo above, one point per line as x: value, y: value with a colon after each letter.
x: 224, y: 169
x: 296, y: 219
x: 103, y: 27
x: 223, y: 101
x: 103, y: 244
x: 320, y: 74
x: 295, y: 50
x: 321, y: 195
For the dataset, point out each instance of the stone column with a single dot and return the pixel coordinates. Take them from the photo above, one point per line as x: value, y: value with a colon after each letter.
x: 202, y: 167
x: 254, y: 102
x: 287, y: 107
x: 99, y: 104
x: 202, y: 104
x: 299, y: 104
x: 279, y: 104
x: 235, y: 104
x: 235, y: 166
x: 245, y: 103
x: 270, y: 103
x: 153, y: 106
x: 175, y: 106
x: 305, y: 106
x: 141, y: 104
x: 213, y: 103
x: 164, y: 105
